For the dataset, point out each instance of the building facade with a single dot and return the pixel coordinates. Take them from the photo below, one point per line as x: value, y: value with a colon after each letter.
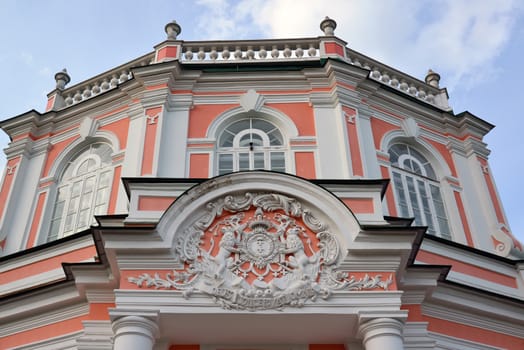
x: 285, y: 194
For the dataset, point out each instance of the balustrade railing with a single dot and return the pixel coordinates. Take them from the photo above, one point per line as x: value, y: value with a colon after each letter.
x: 103, y: 82
x: 398, y: 80
x: 250, y: 51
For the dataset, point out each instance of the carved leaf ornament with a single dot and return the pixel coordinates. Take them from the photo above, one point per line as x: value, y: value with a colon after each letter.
x: 259, y: 251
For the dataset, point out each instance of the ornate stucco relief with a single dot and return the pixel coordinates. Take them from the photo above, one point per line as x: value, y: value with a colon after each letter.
x: 259, y: 251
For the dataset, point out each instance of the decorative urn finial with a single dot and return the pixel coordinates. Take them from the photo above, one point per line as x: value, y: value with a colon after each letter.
x: 172, y: 30
x: 432, y: 78
x: 62, y: 78
x: 328, y: 26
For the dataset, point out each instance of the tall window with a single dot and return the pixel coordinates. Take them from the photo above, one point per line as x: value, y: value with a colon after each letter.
x: 83, y: 191
x: 250, y: 144
x: 417, y: 189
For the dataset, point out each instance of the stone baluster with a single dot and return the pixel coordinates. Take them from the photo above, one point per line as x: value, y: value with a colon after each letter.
x: 105, y: 84
x: 299, y: 52
x: 274, y: 52
x: 403, y: 85
x: 250, y: 54
x: 189, y: 54
x: 287, y: 51
x: 394, y: 82
x: 96, y: 88
x: 201, y: 55
x: 213, y: 54
x: 114, y: 80
x: 312, y: 52
x: 375, y: 73
x: 262, y: 53
x: 238, y: 53
x: 225, y: 53
x: 124, y: 76
x: 69, y: 99
x: 87, y: 92
x: 78, y: 96
x: 385, y: 77
x: 412, y: 90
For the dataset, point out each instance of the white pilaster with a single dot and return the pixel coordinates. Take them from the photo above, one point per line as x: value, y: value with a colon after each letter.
x: 382, y: 333
x: 333, y: 159
x: 367, y: 145
x: 173, y: 144
x: 134, y: 333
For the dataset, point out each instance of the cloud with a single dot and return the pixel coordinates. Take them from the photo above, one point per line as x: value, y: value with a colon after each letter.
x: 458, y: 38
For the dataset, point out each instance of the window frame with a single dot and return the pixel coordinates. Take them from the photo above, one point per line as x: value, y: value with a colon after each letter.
x: 236, y: 150
x: 103, y: 169
x: 419, y: 192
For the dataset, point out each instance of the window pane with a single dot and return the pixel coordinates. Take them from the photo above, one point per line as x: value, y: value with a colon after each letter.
x: 89, y: 184
x: 105, y: 179
x: 243, y: 161
x: 69, y: 222
x: 83, y: 218
x: 75, y: 191
x: 278, y: 161
x: 55, y: 229
x: 426, y: 206
x: 100, y: 210
x: 440, y: 212
x: 101, y: 196
x: 225, y: 163
x: 251, y: 139
x: 258, y: 160
x: 255, y: 138
x: 401, y: 195
x: 414, y: 201
x: 226, y: 140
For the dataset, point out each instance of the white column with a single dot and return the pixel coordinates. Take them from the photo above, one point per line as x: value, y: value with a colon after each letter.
x: 382, y: 333
x: 134, y: 333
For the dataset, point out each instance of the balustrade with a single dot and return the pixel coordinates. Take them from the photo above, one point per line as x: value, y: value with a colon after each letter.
x: 103, y: 82
x: 260, y: 50
x: 396, y: 79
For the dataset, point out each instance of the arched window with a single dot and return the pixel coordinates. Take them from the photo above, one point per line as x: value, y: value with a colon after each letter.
x: 83, y: 191
x: 417, y: 189
x: 250, y: 144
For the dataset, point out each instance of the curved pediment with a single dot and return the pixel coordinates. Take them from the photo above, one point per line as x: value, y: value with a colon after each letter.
x: 258, y: 240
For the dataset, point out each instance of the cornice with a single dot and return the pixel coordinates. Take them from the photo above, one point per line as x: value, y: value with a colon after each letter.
x: 40, y: 320
x: 477, y: 317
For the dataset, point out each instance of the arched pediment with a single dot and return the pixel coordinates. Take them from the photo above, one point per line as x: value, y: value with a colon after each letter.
x: 258, y: 240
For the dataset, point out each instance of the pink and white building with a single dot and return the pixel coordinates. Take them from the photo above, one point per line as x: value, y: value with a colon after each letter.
x: 281, y: 194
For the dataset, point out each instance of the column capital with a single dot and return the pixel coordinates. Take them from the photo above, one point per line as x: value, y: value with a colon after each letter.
x: 134, y: 332
x: 382, y: 333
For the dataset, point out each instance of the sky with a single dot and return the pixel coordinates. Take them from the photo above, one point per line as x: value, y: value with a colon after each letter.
x: 477, y: 46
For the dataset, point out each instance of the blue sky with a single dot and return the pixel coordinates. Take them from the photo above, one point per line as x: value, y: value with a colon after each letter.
x: 476, y: 46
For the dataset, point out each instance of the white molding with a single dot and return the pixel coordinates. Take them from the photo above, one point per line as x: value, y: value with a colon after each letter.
x: 416, y: 336
x: 254, y: 347
x: 59, y: 314
x: 444, y: 342
x: 63, y: 342
x: 472, y: 316
x: 43, y: 254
